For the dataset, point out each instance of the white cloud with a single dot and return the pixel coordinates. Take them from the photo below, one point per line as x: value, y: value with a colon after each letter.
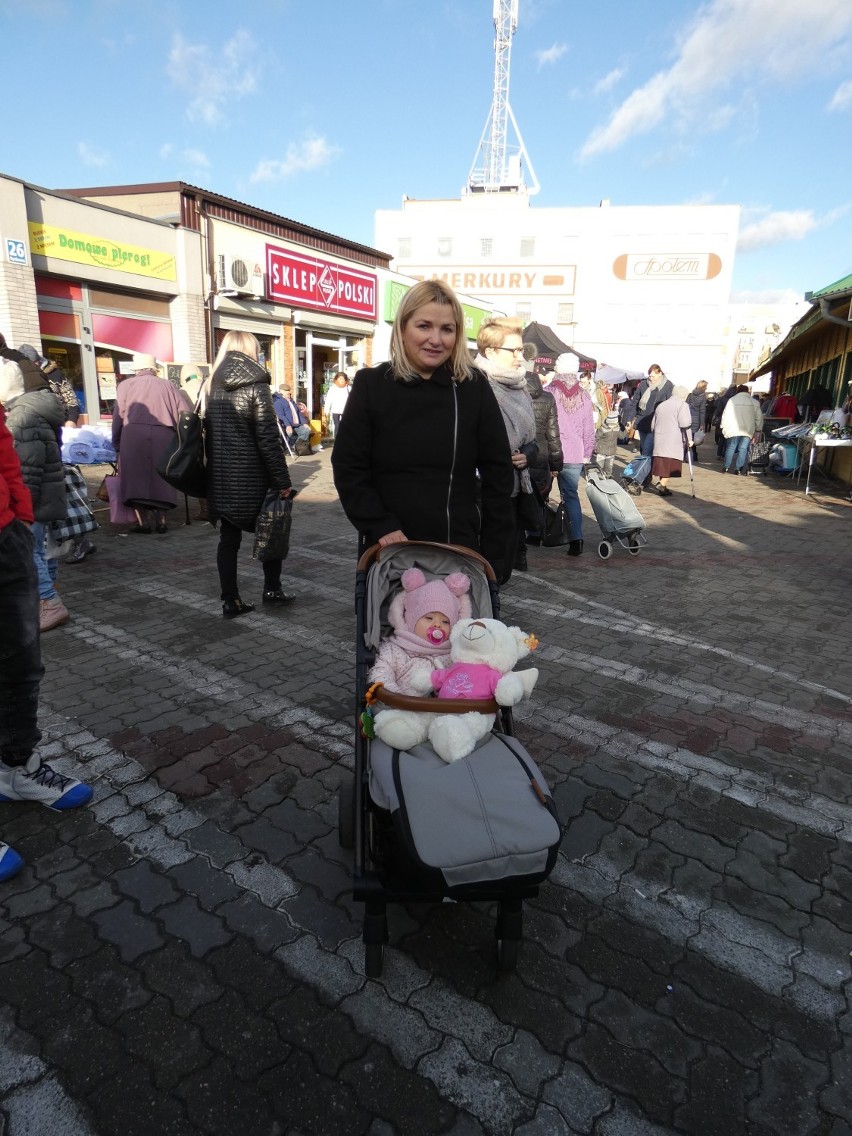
x: 777, y: 227
x: 550, y: 55
x: 166, y: 150
x: 196, y: 158
x: 89, y: 156
x: 727, y: 43
x: 311, y: 154
x: 214, y: 78
x: 605, y: 85
x: 842, y: 98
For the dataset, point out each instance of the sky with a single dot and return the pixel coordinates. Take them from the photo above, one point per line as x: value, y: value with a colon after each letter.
x: 325, y: 110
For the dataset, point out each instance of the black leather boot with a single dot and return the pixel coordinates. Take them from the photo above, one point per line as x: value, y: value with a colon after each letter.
x: 575, y: 548
x: 276, y: 596
x: 521, y: 556
x: 232, y: 608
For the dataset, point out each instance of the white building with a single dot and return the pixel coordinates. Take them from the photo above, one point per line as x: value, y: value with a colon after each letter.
x: 627, y: 285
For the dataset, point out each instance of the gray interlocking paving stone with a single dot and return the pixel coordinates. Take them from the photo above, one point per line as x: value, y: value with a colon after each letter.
x: 150, y: 890
x: 186, y: 921
x: 709, y: 1022
x: 638, y: 1028
x: 331, y: 923
x: 267, y: 928
x: 259, y: 980
x: 210, y: 887
x: 577, y: 1098
x: 407, y: 1101
x: 35, y: 990
x: 532, y: 1010
x: 546, y: 1122
x: 130, y: 1105
x: 170, y: 1047
x: 275, y: 843
x: 81, y: 1049
x: 475, y: 1087
x: 220, y: 847
x: 788, y: 1097
x: 20, y: 1063
x: 187, y: 984
x: 44, y: 1107
x: 327, y: 1034
x: 133, y: 934
x: 635, y: 1073
x: 249, y: 1042
x: 527, y: 1063
x: 311, y: 1103
x: 62, y: 935
x: 479, y: 1031
x: 107, y: 984
x: 401, y: 1028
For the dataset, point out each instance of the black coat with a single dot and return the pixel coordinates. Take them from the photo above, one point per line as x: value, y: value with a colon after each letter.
x: 35, y: 420
x: 245, y: 454
x: 406, y: 457
x: 549, y: 457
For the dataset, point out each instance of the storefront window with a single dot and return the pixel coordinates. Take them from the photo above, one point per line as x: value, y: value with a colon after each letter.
x: 67, y: 357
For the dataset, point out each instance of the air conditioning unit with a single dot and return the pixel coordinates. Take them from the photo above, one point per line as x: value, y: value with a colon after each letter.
x: 240, y: 275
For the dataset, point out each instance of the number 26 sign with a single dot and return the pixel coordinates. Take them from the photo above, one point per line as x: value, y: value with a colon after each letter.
x: 16, y: 251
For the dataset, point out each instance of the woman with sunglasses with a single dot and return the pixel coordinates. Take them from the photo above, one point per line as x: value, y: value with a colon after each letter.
x: 501, y: 357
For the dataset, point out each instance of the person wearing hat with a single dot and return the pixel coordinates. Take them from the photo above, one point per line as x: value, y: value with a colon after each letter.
x: 671, y: 427
x: 58, y: 382
x: 144, y: 419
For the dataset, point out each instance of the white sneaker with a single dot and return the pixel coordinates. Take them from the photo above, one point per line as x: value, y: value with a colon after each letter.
x: 316, y: 449
x: 38, y: 781
x: 10, y: 862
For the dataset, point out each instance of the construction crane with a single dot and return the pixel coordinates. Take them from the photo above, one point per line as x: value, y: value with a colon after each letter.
x: 497, y: 165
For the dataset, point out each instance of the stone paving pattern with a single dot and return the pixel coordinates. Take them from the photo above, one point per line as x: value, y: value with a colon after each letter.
x: 184, y: 955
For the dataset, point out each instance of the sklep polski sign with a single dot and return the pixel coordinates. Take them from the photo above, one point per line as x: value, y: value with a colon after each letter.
x: 307, y: 281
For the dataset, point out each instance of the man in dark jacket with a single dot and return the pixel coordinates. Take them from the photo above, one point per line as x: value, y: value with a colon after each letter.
x: 293, y: 422
x: 653, y: 390
x: 23, y: 776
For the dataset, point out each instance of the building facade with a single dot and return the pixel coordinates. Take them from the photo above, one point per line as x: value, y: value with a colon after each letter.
x: 627, y: 285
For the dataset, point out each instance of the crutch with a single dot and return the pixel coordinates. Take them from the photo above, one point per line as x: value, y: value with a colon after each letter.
x: 688, y: 448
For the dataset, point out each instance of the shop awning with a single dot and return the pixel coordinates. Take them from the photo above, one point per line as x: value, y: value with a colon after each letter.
x: 548, y: 347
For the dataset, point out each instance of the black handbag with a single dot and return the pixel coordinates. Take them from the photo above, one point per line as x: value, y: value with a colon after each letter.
x: 556, y: 528
x: 182, y: 462
x: 531, y: 509
x: 272, y: 530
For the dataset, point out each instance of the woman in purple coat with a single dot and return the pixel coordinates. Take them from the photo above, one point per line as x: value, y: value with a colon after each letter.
x: 144, y: 419
x: 672, y: 427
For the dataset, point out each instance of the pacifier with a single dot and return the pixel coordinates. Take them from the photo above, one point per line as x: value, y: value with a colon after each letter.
x: 437, y: 635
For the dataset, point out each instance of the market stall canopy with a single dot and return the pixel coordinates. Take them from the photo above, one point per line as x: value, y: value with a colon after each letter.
x: 612, y: 376
x: 548, y: 347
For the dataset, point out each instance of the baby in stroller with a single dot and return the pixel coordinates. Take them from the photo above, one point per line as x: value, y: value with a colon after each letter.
x: 422, y: 616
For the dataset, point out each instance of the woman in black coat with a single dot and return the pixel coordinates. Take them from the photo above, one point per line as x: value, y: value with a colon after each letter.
x: 245, y: 458
x: 415, y: 432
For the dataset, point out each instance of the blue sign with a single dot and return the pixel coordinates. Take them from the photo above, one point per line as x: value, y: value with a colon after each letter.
x: 16, y: 251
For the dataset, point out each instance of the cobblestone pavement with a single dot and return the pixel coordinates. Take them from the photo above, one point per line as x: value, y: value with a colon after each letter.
x: 183, y: 957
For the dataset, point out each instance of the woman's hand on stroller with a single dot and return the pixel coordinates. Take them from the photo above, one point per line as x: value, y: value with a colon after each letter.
x: 395, y: 537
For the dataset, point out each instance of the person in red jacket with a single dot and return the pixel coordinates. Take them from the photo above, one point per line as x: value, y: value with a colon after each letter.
x: 23, y: 775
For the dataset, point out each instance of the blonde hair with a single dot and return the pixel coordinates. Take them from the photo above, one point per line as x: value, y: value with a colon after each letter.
x: 242, y: 341
x: 429, y: 292
x: 493, y: 332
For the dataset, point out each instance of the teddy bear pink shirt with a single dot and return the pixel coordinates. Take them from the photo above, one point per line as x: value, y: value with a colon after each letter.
x: 466, y: 680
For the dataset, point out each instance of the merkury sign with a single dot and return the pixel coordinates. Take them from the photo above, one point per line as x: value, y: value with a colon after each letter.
x: 501, y: 278
x: 307, y: 281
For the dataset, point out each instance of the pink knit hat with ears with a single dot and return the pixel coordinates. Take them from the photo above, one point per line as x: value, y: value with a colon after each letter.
x: 418, y: 598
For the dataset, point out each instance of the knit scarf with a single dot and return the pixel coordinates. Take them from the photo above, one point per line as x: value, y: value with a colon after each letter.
x: 654, y: 381
x: 568, y: 393
x: 510, y: 389
x: 417, y: 647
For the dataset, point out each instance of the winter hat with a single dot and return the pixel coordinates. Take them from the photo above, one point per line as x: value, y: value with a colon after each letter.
x: 11, y: 380
x: 143, y: 362
x: 437, y: 595
x: 30, y: 352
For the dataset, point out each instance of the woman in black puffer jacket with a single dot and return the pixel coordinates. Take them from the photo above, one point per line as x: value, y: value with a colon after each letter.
x: 245, y: 458
x: 548, y: 460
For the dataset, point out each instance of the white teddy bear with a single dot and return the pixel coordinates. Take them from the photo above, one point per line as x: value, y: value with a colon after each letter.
x: 483, y: 653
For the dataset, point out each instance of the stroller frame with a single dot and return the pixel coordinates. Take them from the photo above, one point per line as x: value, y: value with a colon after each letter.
x: 361, y: 825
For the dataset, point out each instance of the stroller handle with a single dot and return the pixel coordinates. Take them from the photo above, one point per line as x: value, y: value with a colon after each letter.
x: 375, y: 550
x: 427, y: 705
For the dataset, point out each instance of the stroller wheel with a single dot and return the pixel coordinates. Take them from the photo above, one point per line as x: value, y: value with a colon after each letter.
x: 604, y: 550
x: 507, y: 954
x: 346, y: 812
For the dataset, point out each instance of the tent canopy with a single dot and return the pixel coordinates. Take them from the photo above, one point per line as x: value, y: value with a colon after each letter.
x: 548, y: 346
x: 612, y: 376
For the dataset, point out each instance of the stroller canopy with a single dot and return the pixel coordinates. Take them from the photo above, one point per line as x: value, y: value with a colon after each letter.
x: 548, y: 347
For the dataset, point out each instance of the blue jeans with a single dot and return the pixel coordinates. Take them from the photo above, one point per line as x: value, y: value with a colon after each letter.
x: 646, y: 443
x: 569, y: 482
x: 45, y: 568
x: 736, y: 448
x: 20, y: 646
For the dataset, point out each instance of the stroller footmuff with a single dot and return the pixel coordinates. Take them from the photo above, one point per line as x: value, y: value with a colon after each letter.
x: 483, y: 828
